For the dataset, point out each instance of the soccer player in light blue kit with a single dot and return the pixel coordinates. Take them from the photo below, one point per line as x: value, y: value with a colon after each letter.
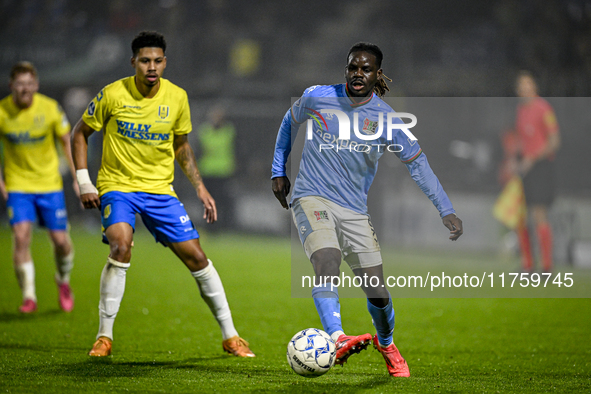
x: 329, y: 200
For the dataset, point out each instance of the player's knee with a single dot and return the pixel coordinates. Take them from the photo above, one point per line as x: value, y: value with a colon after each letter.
x: 120, y: 250
x: 197, y: 261
x: 22, y: 240
x: 326, y: 261
x: 201, y: 258
x: 540, y: 215
x: 62, y: 246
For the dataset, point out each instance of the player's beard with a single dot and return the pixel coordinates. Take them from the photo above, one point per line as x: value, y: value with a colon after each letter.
x: 24, y: 100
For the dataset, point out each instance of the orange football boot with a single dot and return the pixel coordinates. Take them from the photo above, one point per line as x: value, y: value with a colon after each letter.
x: 237, y: 346
x: 101, y: 348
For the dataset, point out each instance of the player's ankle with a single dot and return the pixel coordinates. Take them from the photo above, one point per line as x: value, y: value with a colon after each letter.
x: 336, y: 335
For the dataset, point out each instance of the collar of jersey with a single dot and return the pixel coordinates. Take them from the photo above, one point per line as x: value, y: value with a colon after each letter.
x: 531, y: 102
x: 136, y: 93
x: 353, y: 103
x: 16, y: 109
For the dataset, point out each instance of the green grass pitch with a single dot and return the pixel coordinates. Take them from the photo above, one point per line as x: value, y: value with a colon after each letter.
x: 167, y: 341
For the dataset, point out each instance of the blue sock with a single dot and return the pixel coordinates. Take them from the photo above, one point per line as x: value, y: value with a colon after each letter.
x: 383, y: 321
x: 328, y: 307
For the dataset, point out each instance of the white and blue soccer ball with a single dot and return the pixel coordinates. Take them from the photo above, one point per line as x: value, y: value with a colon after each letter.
x: 311, y: 352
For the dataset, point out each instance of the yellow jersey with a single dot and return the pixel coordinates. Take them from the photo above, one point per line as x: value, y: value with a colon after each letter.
x: 28, y: 135
x: 138, y: 135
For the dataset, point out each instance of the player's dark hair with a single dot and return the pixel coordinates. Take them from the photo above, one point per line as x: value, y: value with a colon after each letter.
x: 381, y: 86
x: 148, y: 39
x: 370, y: 48
x: 23, y: 68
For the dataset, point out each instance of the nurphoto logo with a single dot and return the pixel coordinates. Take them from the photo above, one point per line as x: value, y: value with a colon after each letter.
x: 370, y: 131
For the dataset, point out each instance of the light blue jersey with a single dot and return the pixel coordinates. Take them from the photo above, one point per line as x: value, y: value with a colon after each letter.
x: 342, y: 170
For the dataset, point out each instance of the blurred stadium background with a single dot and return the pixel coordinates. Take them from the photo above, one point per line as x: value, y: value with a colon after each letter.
x: 252, y: 57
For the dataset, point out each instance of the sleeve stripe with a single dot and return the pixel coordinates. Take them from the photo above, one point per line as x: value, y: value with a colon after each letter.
x: 413, y: 158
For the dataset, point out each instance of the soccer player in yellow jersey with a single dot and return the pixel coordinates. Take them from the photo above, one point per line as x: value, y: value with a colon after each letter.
x: 32, y: 187
x: 145, y: 121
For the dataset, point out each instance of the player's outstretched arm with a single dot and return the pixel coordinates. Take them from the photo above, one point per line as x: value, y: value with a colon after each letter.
x: 88, y: 193
x: 281, y: 186
x: 186, y: 159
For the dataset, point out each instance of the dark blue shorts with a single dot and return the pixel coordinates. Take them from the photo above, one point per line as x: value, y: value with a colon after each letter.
x: 163, y: 215
x: 48, y: 208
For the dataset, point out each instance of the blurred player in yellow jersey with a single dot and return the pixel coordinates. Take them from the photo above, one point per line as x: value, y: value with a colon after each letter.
x: 145, y: 121
x: 32, y: 186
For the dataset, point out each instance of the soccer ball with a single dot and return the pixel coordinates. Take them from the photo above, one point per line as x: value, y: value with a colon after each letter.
x: 311, y: 352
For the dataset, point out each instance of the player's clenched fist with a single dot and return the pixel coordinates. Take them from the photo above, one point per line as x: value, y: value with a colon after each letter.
x: 88, y: 192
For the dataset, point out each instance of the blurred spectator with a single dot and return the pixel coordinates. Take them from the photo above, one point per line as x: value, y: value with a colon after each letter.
x: 123, y: 16
x: 217, y: 162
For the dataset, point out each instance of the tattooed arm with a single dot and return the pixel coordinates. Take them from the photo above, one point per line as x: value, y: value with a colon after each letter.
x: 186, y: 159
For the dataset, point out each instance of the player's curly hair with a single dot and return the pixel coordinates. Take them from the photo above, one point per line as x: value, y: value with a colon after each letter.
x: 23, y: 68
x: 381, y: 86
x: 148, y: 39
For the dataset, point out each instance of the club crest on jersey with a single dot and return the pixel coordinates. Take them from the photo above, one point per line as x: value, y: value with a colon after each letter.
x: 163, y: 111
x: 107, y: 211
x: 321, y: 216
x: 39, y: 120
x: 369, y: 127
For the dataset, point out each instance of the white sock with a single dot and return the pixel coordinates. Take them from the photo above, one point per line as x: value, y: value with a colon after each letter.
x: 212, y: 292
x: 25, y: 274
x: 335, y: 335
x: 112, y: 289
x: 64, y: 266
